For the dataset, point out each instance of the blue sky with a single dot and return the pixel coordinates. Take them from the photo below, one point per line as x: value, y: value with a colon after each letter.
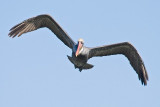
x: 35, y: 71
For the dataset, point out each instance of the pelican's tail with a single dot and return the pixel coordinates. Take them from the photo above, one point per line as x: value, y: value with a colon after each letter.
x: 86, y: 66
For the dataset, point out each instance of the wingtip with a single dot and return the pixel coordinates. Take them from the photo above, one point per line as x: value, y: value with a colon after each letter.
x: 10, y: 35
x: 144, y: 83
x: 144, y: 80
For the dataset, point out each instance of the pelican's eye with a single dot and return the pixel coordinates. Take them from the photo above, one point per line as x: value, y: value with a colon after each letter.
x: 82, y: 42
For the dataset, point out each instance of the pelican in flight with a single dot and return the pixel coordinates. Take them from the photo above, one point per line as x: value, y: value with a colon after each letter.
x: 80, y: 53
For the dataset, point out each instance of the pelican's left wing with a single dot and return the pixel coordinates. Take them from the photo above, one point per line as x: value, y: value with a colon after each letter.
x: 129, y: 51
x: 40, y: 21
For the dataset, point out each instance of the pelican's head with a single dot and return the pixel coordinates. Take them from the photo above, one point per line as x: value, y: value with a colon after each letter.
x: 79, y: 46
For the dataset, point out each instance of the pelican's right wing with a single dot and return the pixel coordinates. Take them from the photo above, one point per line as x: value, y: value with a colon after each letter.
x: 40, y: 21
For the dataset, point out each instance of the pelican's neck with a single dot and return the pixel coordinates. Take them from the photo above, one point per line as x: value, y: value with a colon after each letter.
x: 75, y: 49
x: 80, y: 51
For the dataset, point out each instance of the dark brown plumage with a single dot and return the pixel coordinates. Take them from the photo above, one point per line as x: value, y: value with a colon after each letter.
x: 80, y: 53
x: 129, y: 51
x: 39, y: 22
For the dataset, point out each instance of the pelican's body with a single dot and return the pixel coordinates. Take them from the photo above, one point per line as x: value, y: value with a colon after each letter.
x: 80, y: 53
x: 80, y: 61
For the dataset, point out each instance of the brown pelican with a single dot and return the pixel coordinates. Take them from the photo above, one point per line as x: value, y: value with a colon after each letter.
x: 80, y: 53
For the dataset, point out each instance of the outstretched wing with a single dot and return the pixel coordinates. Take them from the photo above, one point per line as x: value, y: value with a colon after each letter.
x: 40, y: 21
x: 129, y: 51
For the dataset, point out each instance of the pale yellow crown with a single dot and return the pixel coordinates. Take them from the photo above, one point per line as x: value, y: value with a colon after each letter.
x: 81, y: 40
